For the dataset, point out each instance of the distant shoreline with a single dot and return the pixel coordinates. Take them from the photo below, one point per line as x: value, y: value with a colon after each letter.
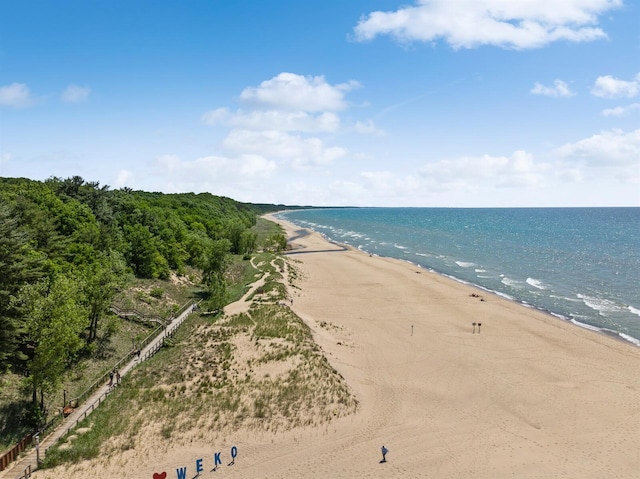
x: 626, y: 339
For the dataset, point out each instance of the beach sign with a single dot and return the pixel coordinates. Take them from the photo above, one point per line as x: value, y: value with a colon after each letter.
x: 182, y: 472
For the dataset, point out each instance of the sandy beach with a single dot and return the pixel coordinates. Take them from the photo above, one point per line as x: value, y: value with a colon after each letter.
x: 524, y: 395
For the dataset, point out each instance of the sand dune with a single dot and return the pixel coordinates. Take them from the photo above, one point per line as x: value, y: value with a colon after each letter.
x: 530, y: 396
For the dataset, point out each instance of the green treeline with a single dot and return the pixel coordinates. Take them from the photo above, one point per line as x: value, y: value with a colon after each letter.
x: 67, y: 246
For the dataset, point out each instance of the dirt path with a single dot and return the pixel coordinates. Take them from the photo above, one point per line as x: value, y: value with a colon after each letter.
x: 243, y: 304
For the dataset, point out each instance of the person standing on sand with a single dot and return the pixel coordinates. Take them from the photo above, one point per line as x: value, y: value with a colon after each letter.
x: 384, y: 453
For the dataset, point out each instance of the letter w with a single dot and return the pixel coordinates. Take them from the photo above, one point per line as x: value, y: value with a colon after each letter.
x: 182, y: 473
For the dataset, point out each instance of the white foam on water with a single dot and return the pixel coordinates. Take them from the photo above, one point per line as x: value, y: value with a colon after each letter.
x: 464, y: 264
x: 506, y: 296
x: 536, y: 283
x: 459, y: 280
x: 510, y: 282
x: 585, y: 326
x: 399, y: 246
x: 478, y: 270
x: 564, y: 298
x: 634, y: 310
x: 631, y: 339
x: 600, y: 305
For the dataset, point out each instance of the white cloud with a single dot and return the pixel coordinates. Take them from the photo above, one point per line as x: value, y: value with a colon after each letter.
x: 621, y: 110
x: 368, y: 128
x: 289, y: 91
x: 559, y: 89
x: 76, y: 94
x: 124, y: 178
x: 610, y: 87
x: 517, y: 170
x: 16, y: 95
x: 284, y: 120
x: 237, y: 177
x: 5, y: 158
x: 517, y: 24
x: 274, y: 120
x: 300, y: 151
x: 219, y: 116
x: 607, y: 148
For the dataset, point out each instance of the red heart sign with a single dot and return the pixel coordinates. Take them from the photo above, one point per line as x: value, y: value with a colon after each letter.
x: 162, y: 475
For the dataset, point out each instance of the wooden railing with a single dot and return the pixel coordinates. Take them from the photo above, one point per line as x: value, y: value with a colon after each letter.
x: 11, y: 455
x: 148, y: 354
x: 134, y: 313
x: 165, y: 328
x: 26, y: 474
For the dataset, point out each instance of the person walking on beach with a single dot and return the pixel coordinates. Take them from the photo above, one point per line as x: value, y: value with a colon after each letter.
x: 384, y: 453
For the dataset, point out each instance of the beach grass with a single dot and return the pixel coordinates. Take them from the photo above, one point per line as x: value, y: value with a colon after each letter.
x: 259, y: 369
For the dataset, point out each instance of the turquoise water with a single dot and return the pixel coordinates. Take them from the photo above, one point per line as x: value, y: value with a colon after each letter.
x: 580, y: 264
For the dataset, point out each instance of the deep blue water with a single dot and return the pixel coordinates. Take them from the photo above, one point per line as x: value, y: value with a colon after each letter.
x: 580, y: 264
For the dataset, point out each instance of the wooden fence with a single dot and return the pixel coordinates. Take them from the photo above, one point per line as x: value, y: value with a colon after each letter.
x: 156, y: 347
x: 135, y: 314
x: 26, y: 474
x: 166, y: 329
x: 11, y: 455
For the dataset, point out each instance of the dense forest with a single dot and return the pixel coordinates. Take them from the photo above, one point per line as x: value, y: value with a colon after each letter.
x: 67, y: 246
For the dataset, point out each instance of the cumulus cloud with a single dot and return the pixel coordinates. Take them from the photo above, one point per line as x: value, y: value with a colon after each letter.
x: 76, y: 94
x: 16, y: 95
x: 300, y: 151
x: 289, y: 91
x: 559, y: 89
x: 274, y: 120
x: 517, y: 170
x: 237, y: 177
x: 621, y: 110
x: 124, y: 178
x: 609, y: 87
x: 520, y: 24
x: 287, y: 119
x: 219, y: 116
x: 607, y: 148
x: 368, y: 128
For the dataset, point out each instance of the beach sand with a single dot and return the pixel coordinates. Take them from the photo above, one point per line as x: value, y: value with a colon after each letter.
x: 527, y: 396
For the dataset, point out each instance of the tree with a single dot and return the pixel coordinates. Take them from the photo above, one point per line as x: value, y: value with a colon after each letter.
x: 19, y: 264
x: 248, y: 242
x: 279, y: 241
x: 141, y: 252
x: 100, y: 282
x: 234, y: 235
x: 215, y: 260
x: 217, y: 292
x: 54, y: 322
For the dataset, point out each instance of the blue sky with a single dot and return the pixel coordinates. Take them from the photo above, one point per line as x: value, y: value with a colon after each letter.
x: 454, y: 103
